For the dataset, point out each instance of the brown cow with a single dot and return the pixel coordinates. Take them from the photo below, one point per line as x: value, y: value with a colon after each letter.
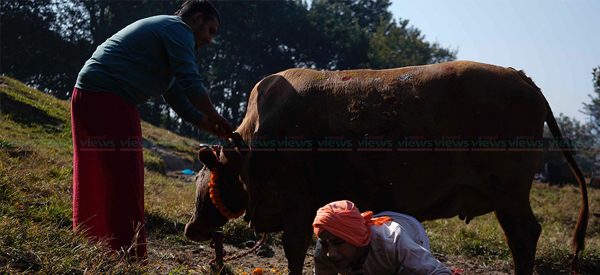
x: 400, y: 139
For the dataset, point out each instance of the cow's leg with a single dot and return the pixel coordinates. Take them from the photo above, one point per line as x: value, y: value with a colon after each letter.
x: 295, y: 244
x: 297, y: 230
x: 521, y: 229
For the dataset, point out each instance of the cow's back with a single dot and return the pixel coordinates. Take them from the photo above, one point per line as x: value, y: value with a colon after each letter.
x: 441, y: 99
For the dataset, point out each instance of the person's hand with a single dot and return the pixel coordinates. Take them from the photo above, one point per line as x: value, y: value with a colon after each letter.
x: 222, y: 127
x: 216, y: 125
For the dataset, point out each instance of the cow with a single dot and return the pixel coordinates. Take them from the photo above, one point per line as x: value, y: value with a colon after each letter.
x: 300, y: 146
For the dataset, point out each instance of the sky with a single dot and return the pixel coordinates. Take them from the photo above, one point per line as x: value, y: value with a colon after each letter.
x: 556, y: 42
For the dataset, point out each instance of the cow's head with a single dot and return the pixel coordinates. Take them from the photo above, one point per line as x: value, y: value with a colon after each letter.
x: 226, y: 163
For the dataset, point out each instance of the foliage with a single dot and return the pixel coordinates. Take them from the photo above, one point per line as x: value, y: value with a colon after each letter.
x: 582, y: 138
x: 46, y: 42
x: 34, y: 53
x: 336, y: 39
x: 396, y: 45
x: 107, y: 17
x: 593, y: 108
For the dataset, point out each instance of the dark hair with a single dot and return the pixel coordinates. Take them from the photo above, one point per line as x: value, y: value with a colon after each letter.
x: 191, y: 7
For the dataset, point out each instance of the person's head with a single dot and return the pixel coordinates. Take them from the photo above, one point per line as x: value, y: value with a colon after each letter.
x: 343, y: 232
x: 202, y: 17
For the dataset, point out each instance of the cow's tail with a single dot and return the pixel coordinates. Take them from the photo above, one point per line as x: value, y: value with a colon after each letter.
x: 584, y: 211
x: 578, y: 242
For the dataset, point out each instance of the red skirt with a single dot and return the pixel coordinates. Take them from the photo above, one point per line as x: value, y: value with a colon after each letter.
x: 108, y: 171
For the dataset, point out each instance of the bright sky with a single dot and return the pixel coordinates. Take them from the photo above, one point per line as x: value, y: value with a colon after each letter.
x: 556, y: 42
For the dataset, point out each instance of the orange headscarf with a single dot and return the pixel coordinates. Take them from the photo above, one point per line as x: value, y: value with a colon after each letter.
x: 342, y: 219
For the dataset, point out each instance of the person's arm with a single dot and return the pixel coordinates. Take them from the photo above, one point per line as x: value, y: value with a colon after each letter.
x: 178, y: 42
x: 201, y: 114
x: 179, y: 48
x: 416, y: 258
x: 182, y: 106
x: 213, y: 122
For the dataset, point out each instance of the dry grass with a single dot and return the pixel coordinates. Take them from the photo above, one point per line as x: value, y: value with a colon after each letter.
x: 556, y: 209
x: 35, y: 210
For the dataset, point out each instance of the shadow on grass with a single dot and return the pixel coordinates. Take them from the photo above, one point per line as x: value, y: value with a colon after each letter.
x: 19, y: 261
x: 26, y: 114
x: 589, y: 263
x: 159, y: 225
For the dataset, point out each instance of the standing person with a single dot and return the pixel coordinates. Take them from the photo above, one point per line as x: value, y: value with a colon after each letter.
x: 353, y: 243
x: 151, y: 57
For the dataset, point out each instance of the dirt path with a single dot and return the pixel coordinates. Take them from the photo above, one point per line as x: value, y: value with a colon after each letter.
x: 169, y: 255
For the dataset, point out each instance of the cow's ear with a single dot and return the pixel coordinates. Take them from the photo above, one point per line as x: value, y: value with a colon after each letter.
x: 207, y: 157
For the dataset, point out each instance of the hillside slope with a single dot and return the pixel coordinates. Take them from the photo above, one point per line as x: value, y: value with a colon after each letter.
x: 35, y: 188
x: 35, y: 209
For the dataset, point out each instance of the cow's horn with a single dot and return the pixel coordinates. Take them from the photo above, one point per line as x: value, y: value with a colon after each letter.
x: 237, y: 140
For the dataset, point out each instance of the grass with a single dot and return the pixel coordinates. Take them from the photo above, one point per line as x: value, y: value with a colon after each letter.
x: 153, y: 162
x: 35, y: 191
x: 35, y: 207
x: 556, y: 209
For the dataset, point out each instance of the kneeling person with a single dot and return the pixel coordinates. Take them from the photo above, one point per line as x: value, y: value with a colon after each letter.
x: 353, y: 243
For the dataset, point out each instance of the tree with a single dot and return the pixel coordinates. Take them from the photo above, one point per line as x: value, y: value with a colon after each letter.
x: 255, y: 39
x: 370, y: 14
x: 397, y: 45
x: 581, y: 138
x: 593, y: 108
x: 107, y: 17
x: 336, y: 39
x: 33, y: 52
x: 362, y: 33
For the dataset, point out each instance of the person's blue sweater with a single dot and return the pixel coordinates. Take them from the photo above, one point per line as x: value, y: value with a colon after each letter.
x: 151, y: 57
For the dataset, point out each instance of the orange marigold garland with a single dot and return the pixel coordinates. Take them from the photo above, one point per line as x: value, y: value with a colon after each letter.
x: 215, y: 197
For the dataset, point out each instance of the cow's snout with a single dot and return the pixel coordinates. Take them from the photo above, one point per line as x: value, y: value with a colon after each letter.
x: 191, y: 232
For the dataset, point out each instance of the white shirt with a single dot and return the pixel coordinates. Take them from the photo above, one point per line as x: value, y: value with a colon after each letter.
x: 400, y: 246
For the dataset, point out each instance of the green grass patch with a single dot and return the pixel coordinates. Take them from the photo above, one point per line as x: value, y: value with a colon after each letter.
x: 35, y: 192
x: 153, y: 162
x: 169, y: 140
x: 237, y: 232
x: 4, y: 144
x: 35, y: 207
x: 556, y: 209
x: 41, y: 248
x: 35, y: 110
x: 481, y: 238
